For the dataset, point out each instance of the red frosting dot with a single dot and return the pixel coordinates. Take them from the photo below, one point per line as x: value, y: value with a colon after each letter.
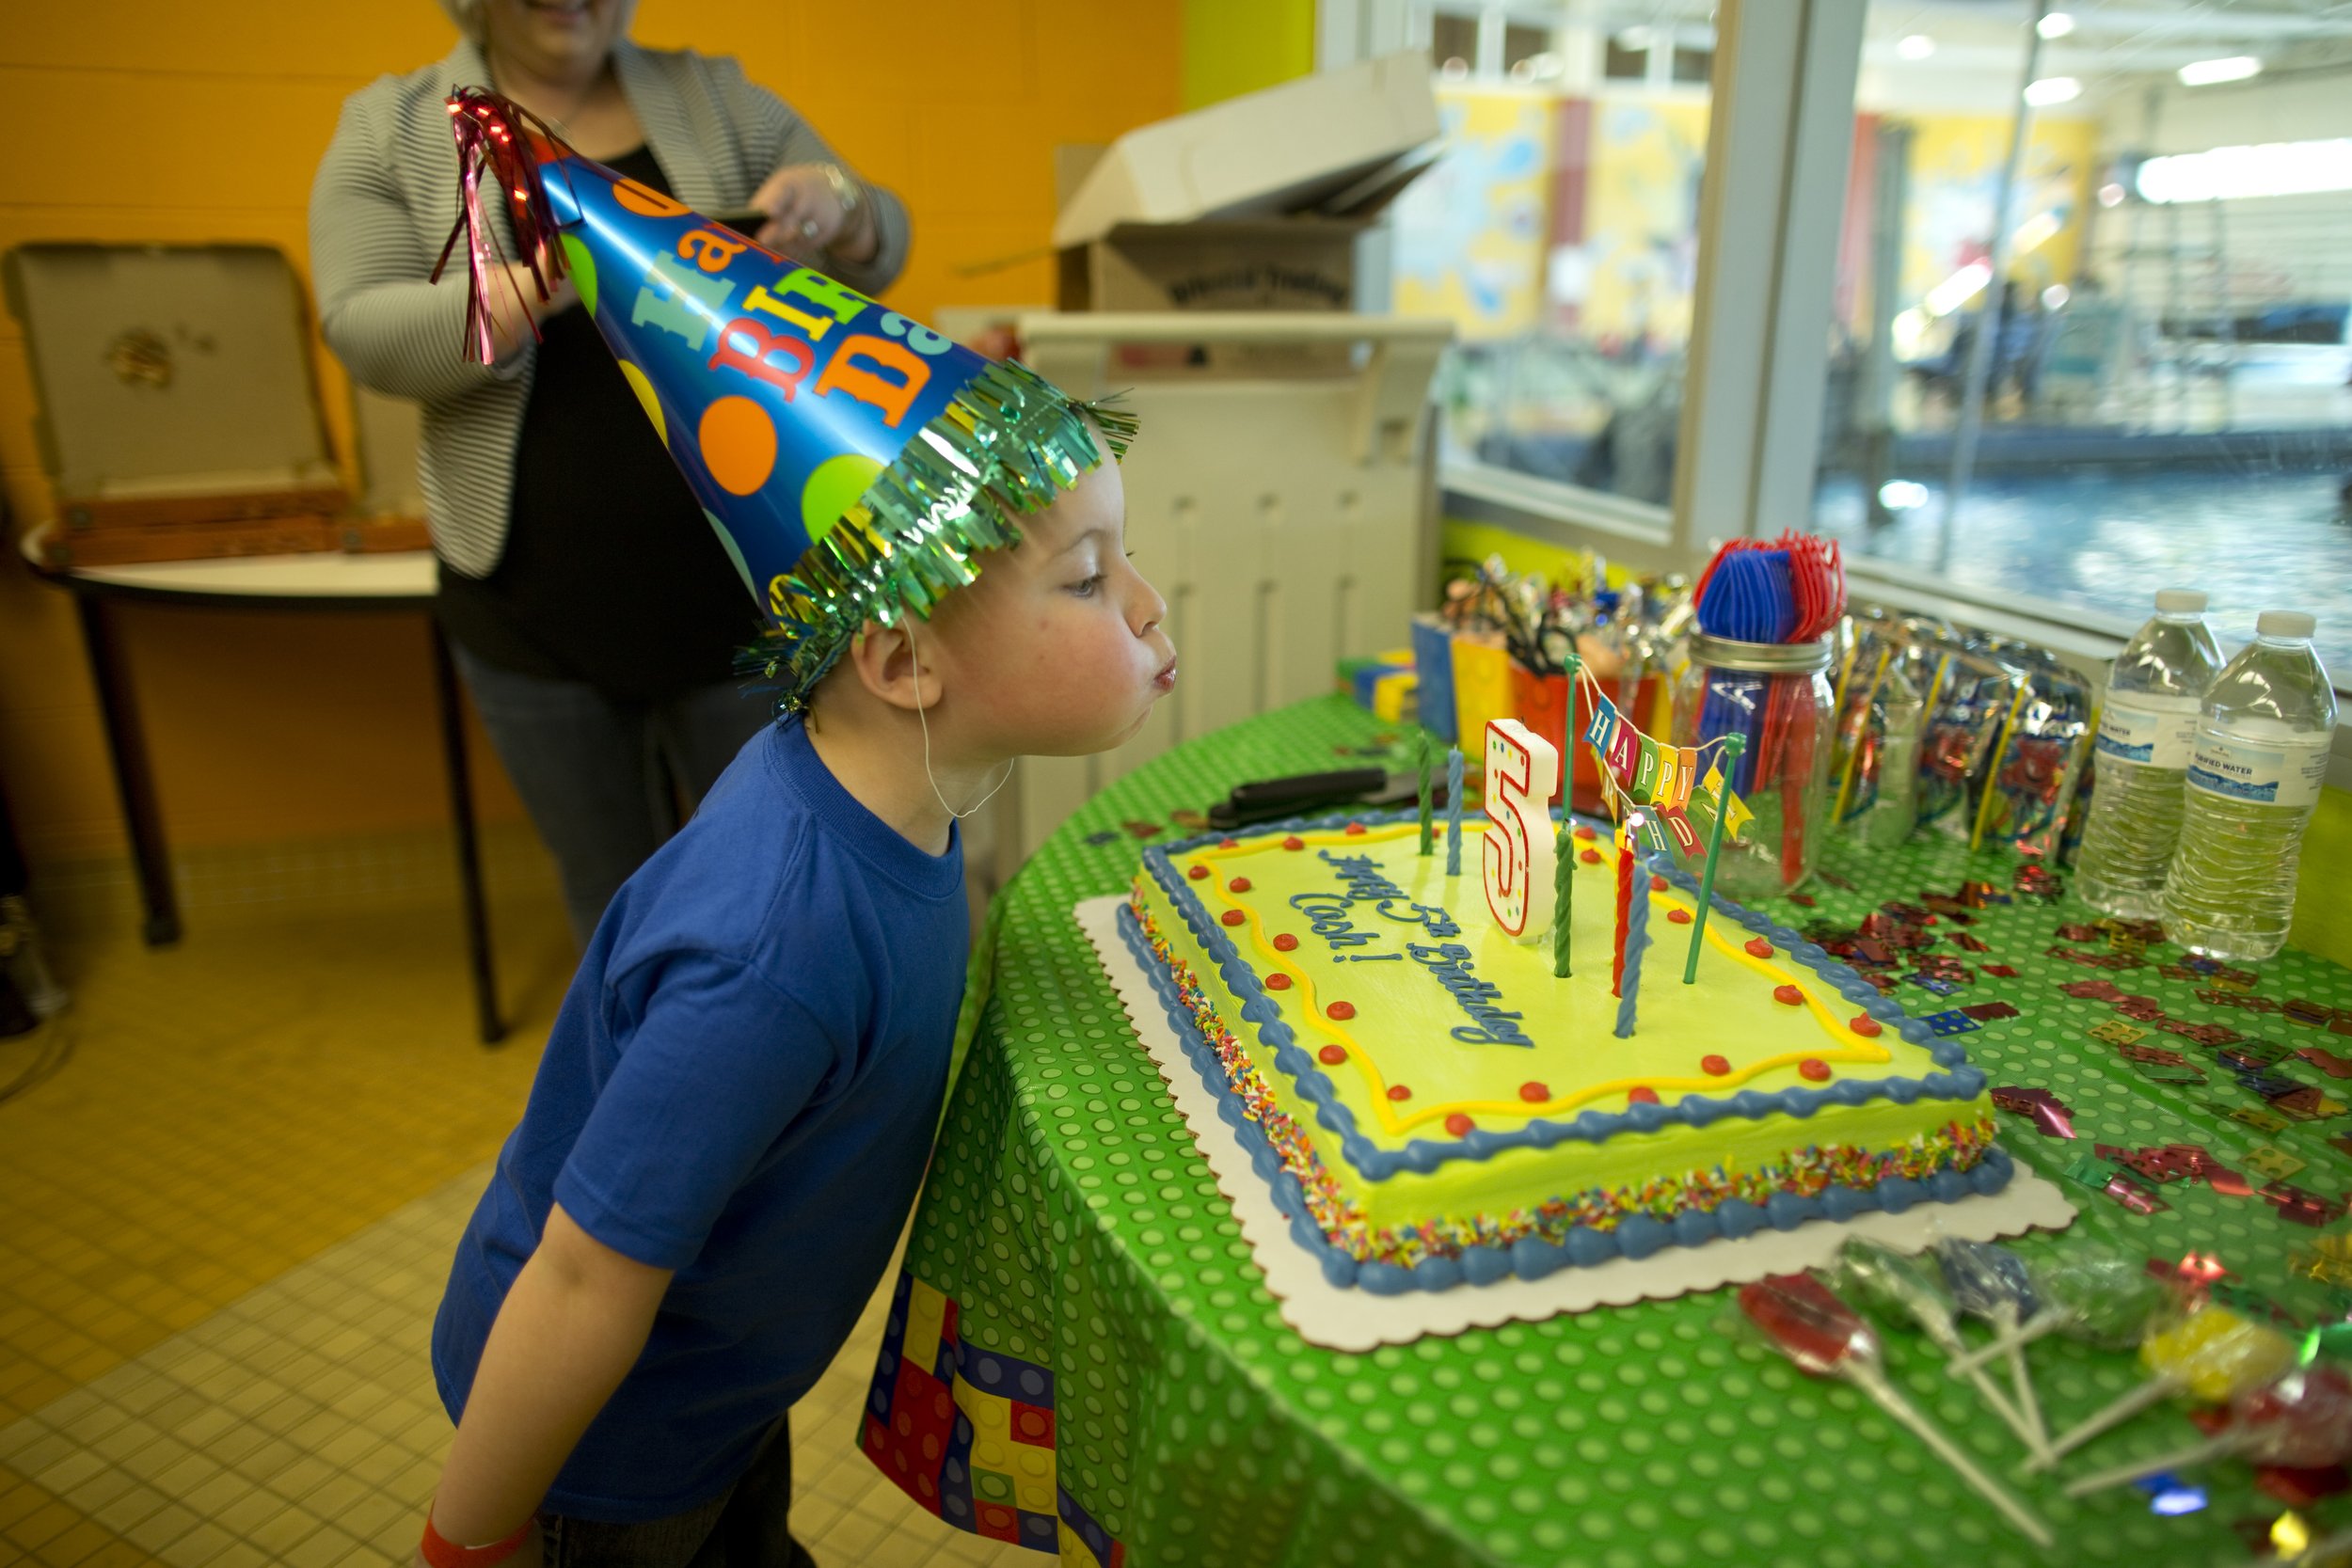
x: 1277, y: 981
x: 1232, y: 917
x: 1759, y: 946
x: 1293, y: 842
x: 1197, y: 872
x: 1331, y: 1055
x: 1229, y: 843
x: 1340, y: 1011
x: 1866, y: 1026
x: 1680, y: 917
x: 1814, y: 1068
x: 1239, y: 884
x: 1584, y: 833
x: 1642, y: 1094
x: 1590, y: 857
x: 1285, y: 943
x: 1398, y: 1091
x: 1458, y: 1124
x: 1715, y: 1066
x: 1355, y: 828
x: 1789, y: 995
x: 1534, y: 1094
x: 1657, y: 883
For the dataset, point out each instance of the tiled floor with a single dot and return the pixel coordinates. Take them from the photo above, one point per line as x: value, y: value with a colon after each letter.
x: 223, y: 1226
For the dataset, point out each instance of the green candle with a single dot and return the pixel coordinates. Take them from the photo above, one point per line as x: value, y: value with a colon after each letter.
x: 1428, y: 836
x: 1733, y: 746
x: 1563, y: 865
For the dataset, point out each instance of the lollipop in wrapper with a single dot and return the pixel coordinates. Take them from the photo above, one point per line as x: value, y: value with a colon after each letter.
x: 1803, y: 1320
x: 2211, y: 1354
x: 1898, y: 1285
x: 2303, y: 1420
x: 2100, y: 1298
x: 1991, y: 1282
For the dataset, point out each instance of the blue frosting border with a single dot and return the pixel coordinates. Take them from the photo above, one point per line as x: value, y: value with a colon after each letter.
x: 1959, y: 1082
x: 1530, y: 1257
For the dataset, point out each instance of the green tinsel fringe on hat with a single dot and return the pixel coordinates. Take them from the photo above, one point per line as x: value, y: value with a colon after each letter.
x: 1008, y: 443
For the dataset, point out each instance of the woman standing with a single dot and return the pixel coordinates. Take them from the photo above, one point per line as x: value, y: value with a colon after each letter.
x: 594, y: 612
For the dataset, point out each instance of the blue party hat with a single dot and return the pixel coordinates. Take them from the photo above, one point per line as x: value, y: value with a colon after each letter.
x: 854, y: 462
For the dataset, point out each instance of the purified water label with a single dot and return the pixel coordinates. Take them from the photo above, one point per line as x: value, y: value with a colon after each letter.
x: 2284, y: 774
x: 2160, y: 731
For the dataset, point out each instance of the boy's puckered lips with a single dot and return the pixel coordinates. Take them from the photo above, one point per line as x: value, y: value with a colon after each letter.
x: 1165, y: 680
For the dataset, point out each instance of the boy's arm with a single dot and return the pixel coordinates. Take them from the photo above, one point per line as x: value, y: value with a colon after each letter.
x: 571, y: 1327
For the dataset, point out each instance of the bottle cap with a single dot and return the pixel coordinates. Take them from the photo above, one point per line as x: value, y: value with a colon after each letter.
x: 2180, y: 601
x: 2290, y: 624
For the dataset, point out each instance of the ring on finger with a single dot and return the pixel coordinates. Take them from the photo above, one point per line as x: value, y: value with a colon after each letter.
x: 808, y: 229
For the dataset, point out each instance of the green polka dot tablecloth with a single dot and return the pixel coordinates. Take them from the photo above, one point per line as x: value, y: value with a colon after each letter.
x: 1083, y: 1358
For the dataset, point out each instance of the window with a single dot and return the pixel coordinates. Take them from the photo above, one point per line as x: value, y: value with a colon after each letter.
x: 2144, y: 378
x: 1453, y: 44
x: 1559, y: 233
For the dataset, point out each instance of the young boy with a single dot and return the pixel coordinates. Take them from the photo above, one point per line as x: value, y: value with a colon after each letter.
x: 738, y: 1097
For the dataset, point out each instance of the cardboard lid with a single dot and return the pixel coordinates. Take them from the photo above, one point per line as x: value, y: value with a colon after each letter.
x: 1340, y: 143
x: 168, y: 370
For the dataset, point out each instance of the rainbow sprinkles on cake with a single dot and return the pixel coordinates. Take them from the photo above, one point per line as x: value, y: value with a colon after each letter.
x: 1435, y: 1106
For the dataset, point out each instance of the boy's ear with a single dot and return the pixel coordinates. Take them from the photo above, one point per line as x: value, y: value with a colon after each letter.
x: 890, y: 666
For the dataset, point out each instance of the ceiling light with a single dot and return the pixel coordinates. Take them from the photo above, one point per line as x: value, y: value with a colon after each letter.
x: 2055, y: 25
x: 1914, y: 46
x: 2234, y: 68
x: 2053, y: 89
x: 2274, y: 168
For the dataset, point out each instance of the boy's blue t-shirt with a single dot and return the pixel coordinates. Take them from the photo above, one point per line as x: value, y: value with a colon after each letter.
x: 742, y: 1086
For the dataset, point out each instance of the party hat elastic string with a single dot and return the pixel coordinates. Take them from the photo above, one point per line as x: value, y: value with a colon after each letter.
x: 922, y: 718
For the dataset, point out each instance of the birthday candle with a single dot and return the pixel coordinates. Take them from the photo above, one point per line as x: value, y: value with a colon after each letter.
x: 1625, y: 906
x: 1636, y: 939
x: 1562, y: 866
x: 1453, y: 811
x: 1428, y: 842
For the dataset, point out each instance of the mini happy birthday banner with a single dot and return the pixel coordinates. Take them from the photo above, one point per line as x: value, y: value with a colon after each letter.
x: 1662, y: 780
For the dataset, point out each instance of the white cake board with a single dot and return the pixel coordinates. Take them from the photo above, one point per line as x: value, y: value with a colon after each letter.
x: 1354, y: 1319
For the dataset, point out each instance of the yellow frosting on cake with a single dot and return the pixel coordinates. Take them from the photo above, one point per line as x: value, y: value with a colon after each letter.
x: 1403, y: 1029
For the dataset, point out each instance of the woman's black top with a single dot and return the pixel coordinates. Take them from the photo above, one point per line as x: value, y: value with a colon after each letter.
x: 610, y: 575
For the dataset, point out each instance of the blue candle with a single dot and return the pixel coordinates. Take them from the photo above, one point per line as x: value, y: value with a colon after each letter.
x: 1453, y: 811
x: 1636, y: 938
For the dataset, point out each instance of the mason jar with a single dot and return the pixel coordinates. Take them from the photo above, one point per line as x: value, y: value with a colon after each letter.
x: 1777, y: 696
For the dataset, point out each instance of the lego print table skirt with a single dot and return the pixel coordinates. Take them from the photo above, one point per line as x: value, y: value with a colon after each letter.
x: 1082, y: 1356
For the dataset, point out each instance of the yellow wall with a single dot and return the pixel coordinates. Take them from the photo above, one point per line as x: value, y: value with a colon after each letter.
x: 1641, y: 216
x: 1470, y: 233
x: 1955, y: 168
x: 142, y: 119
x: 1237, y: 46
x: 2323, y: 916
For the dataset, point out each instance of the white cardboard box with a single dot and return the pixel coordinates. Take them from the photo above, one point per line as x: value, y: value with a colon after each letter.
x: 1336, y: 144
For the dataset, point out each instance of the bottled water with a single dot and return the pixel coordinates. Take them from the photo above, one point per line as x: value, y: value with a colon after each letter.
x: 2261, y: 758
x: 2147, y: 728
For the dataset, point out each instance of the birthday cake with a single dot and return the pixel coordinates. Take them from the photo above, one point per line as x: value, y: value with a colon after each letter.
x: 1434, y: 1107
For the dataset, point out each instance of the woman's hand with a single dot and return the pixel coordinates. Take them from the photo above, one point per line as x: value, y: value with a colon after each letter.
x: 511, y: 324
x: 805, y: 217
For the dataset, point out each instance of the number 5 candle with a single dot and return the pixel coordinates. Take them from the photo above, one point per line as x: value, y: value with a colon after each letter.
x: 1523, y: 771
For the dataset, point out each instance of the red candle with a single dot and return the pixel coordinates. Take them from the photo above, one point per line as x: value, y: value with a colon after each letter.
x: 1625, y: 907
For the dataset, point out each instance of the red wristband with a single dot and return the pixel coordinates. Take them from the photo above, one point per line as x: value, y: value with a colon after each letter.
x: 441, y: 1552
